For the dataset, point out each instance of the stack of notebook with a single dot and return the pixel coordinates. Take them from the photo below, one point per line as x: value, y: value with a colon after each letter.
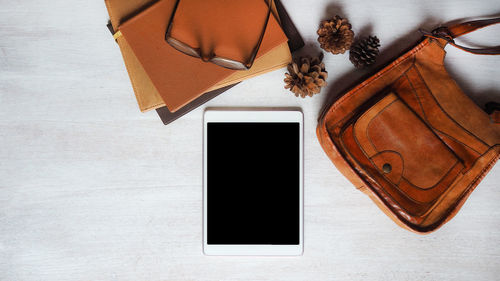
x: 172, y: 82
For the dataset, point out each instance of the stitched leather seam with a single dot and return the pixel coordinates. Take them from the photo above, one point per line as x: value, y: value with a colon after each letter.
x: 416, y: 96
x: 324, y: 137
x: 405, y: 179
x: 445, y: 217
x: 370, y: 186
x: 404, y: 57
x: 374, y: 117
x: 464, y: 144
x: 405, y: 73
x: 368, y: 125
x: 430, y: 129
x: 395, y: 186
x: 377, y: 76
x: 434, y: 186
x: 425, y: 117
x: 415, y: 200
x: 444, y: 111
x: 349, y: 116
x: 334, y: 106
x: 428, y: 121
x: 395, y: 81
x: 485, y: 169
x: 370, y: 140
x: 461, y: 200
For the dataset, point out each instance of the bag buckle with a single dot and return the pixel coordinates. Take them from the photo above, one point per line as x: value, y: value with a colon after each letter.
x: 439, y: 33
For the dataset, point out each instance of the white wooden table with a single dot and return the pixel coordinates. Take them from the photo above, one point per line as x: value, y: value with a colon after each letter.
x: 92, y: 189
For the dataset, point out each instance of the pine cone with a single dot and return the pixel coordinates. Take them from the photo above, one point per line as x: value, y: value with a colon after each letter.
x: 335, y: 35
x: 307, y: 77
x: 365, y: 52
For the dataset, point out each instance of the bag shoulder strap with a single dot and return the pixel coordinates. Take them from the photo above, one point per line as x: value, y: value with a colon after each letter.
x: 450, y: 33
x: 457, y: 30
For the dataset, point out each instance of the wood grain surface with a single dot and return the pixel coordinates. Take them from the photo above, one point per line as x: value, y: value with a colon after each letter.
x: 92, y: 189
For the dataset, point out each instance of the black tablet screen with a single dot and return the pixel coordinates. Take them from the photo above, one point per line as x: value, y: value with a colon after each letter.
x: 253, y: 191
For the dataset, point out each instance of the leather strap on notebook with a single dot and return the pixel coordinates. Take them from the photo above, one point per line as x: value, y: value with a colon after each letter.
x: 457, y: 30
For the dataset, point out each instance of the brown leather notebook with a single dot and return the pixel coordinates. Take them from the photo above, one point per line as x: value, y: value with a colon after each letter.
x: 148, y: 97
x: 173, y: 73
x: 146, y: 94
x: 295, y: 42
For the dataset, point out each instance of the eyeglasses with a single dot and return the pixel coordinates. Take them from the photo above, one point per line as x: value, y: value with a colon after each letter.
x: 220, y: 61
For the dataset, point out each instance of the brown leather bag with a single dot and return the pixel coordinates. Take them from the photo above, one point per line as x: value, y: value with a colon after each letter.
x: 410, y: 138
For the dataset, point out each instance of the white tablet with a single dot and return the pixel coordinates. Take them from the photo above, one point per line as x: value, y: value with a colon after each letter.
x: 253, y: 183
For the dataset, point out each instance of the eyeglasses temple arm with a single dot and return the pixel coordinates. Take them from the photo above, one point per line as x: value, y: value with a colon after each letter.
x: 257, y: 47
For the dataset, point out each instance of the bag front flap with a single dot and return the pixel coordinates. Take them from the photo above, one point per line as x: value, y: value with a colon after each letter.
x: 412, y: 165
x: 392, y: 136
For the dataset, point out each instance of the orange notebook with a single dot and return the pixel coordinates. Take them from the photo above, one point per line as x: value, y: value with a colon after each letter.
x: 179, y: 78
x: 147, y: 95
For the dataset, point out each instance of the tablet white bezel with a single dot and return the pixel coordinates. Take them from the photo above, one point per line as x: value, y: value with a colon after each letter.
x: 233, y: 116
